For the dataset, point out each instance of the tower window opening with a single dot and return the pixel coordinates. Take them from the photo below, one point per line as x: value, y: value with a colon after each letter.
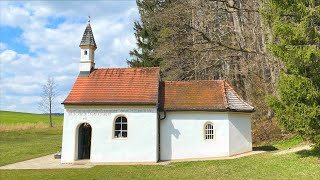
x: 85, y: 52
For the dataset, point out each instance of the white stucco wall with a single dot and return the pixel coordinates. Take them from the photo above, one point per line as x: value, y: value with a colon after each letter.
x: 89, y: 56
x: 86, y: 61
x: 240, y: 133
x: 141, y: 145
x: 86, y: 65
x: 182, y: 135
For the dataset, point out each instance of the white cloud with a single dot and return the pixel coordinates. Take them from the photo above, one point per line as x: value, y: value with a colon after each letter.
x: 11, y: 108
x: 20, y: 103
x: 7, y: 56
x: 12, y: 15
x: 3, y: 46
x: 30, y: 100
x: 55, y: 51
x: 21, y: 88
x: 123, y: 44
x: 23, y: 80
x: 12, y: 62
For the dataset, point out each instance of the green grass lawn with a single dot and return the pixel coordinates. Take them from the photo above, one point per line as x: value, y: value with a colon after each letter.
x: 282, y: 144
x: 262, y: 166
x: 22, y: 145
x: 27, y: 144
x: 7, y: 117
x: 18, y: 145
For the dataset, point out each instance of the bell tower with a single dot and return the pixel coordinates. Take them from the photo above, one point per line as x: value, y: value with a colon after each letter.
x: 87, y: 46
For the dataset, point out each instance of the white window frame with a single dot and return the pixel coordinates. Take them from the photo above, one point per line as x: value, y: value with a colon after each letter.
x: 121, y: 128
x: 209, y: 134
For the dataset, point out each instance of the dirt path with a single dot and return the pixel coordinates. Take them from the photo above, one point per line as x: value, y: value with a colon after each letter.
x: 44, y: 162
x: 293, y: 150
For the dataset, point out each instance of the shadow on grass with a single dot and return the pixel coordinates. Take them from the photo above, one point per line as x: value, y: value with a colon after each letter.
x: 308, y: 153
x: 264, y: 148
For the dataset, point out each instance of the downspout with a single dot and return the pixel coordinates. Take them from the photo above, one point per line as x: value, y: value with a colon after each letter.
x: 159, y: 119
x: 164, y: 115
x: 158, y: 113
x: 159, y: 148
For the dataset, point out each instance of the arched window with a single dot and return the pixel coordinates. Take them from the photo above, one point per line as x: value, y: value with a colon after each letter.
x: 85, y: 52
x: 209, y: 131
x: 121, y: 127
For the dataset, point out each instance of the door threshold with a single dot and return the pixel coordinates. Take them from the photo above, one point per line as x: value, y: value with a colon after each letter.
x: 81, y: 162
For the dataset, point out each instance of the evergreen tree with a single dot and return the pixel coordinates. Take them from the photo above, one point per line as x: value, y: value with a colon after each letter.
x: 295, y: 26
x: 145, y: 33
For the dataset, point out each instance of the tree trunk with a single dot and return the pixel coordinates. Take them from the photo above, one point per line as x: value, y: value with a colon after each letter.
x: 50, y: 113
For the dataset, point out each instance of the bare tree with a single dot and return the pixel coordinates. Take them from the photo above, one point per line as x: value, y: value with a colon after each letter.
x: 48, y: 96
x: 216, y: 39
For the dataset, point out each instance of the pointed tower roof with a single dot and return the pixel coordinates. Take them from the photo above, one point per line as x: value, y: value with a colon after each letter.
x: 87, y: 38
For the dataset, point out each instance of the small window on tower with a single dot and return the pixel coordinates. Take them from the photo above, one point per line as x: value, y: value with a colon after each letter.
x: 85, y: 52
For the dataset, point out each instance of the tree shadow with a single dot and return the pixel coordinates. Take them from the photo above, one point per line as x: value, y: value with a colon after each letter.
x: 168, y: 137
x: 309, y: 153
x: 264, y: 148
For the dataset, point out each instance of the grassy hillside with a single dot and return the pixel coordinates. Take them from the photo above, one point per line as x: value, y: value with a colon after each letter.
x: 7, y: 117
x: 14, y: 121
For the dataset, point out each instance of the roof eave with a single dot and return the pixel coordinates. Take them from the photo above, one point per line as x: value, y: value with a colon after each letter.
x: 92, y: 46
x: 109, y: 103
x: 208, y: 109
x: 242, y: 110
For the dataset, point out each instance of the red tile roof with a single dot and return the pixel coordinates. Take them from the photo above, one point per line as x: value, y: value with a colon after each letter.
x: 188, y: 95
x: 116, y: 86
x: 141, y: 86
x: 211, y: 95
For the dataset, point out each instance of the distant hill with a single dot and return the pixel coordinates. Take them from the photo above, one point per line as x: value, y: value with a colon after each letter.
x: 55, y: 114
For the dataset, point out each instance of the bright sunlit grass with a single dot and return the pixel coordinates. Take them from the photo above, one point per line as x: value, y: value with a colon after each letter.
x: 21, y: 145
x: 13, y: 121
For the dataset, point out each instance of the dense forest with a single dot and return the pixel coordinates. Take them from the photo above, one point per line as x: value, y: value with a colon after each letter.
x: 259, y: 47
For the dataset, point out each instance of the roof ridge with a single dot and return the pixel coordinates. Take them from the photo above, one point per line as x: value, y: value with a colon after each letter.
x: 194, y: 81
x: 128, y: 68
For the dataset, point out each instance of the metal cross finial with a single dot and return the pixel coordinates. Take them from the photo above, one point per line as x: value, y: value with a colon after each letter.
x: 88, y: 18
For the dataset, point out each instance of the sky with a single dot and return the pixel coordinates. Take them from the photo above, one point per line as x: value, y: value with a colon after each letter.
x: 40, y: 39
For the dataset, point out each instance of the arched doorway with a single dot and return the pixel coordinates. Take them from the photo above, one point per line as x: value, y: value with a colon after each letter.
x: 84, y: 141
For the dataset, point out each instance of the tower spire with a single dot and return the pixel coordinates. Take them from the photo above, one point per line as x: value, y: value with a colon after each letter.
x: 87, y: 46
x: 88, y: 38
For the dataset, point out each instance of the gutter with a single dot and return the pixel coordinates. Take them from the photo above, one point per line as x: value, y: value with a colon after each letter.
x: 110, y: 103
x: 207, y: 110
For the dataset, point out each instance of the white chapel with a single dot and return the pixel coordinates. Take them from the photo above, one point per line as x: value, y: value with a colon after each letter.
x: 131, y: 115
